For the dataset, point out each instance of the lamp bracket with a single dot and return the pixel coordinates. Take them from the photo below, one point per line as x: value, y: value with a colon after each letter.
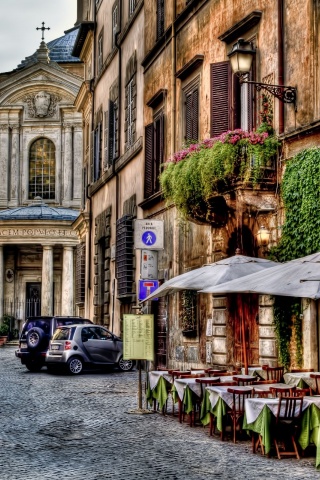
x: 284, y: 93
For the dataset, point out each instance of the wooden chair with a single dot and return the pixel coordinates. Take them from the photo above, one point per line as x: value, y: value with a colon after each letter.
x: 214, y: 372
x: 228, y: 374
x: 282, y: 392
x: 274, y: 373
x: 301, y: 370
x: 316, y: 376
x: 287, y: 424
x: 237, y: 411
x: 301, y: 392
x: 242, y: 382
x: 191, y: 375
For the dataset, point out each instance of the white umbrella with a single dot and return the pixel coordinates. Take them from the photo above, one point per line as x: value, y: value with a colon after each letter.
x: 284, y: 279
x: 212, y: 274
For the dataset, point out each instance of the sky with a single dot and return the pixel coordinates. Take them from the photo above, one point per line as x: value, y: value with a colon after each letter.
x: 18, y: 21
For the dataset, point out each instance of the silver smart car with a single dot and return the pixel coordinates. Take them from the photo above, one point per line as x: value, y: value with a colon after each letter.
x: 74, y: 347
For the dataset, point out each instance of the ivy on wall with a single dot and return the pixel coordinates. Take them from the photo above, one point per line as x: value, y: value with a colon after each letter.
x: 300, y: 192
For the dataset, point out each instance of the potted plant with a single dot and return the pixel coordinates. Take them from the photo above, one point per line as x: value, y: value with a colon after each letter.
x: 4, y: 331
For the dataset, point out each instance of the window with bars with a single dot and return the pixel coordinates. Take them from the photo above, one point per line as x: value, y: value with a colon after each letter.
x: 124, y: 255
x: 100, y: 51
x: 80, y: 273
x: 42, y: 169
x: 192, y: 112
x: 232, y: 104
x: 132, y: 6
x: 115, y: 22
x: 160, y: 18
x: 154, y: 148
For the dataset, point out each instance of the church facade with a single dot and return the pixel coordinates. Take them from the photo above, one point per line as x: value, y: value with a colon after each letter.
x: 40, y: 191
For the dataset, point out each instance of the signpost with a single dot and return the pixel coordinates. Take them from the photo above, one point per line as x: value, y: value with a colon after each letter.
x: 138, y: 344
x: 146, y: 287
x: 148, y: 234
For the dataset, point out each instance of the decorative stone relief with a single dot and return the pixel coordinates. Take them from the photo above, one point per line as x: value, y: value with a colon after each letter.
x: 41, y: 105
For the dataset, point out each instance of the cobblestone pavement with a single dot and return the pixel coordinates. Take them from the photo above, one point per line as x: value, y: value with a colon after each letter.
x: 64, y: 427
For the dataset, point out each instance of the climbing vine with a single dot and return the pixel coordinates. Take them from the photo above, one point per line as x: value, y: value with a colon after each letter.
x: 300, y: 191
x: 188, y: 311
x: 297, y: 333
x: 282, y: 320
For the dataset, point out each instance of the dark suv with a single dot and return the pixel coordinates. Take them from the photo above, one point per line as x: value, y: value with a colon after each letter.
x: 35, y: 336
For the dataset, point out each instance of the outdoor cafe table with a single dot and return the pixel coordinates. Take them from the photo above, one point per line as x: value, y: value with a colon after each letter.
x: 256, y: 371
x: 300, y: 379
x: 186, y: 389
x: 260, y: 415
x: 217, y: 400
x: 159, y: 385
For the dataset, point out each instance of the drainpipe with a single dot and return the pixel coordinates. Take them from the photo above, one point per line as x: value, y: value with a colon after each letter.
x: 280, y: 61
x: 173, y: 79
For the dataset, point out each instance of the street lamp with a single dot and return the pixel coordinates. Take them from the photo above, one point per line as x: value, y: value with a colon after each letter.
x: 241, y: 56
x: 263, y: 236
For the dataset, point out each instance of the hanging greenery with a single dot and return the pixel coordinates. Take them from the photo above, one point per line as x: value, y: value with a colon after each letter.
x: 297, y: 326
x: 204, y: 169
x: 300, y: 192
x: 282, y: 320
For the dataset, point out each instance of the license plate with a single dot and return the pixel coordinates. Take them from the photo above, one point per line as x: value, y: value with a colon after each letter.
x: 23, y: 345
x: 55, y: 347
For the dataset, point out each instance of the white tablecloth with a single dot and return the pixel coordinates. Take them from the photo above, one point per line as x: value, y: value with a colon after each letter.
x: 295, y: 378
x: 253, y: 371
x: 254, y: 406
x: 155, y: 375
x: 181, y: 383
x: 217, y: 392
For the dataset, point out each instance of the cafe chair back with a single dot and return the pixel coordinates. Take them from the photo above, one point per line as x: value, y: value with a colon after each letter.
x: 274, y: 373
x: 282, y: 392
x: 236, y: 413
x: 287, y: 426
x: 316, y: 377
x: 242, y: 382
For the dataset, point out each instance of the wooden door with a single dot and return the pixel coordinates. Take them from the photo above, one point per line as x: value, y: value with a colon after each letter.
x: 243, y: 314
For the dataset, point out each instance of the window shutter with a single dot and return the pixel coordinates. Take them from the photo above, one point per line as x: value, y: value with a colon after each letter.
x: 97, y: 153
x: 149, y: 159
x: 92, y: 155
x: 111, y: 133
x: 106, y: 141
x: 160, y: 18
x: 188, y: 135
x: 220, y: 98
x: 158, y: 151
x: 195, y: 114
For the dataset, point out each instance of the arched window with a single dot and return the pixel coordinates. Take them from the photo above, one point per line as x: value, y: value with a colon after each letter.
x: 42, y: 169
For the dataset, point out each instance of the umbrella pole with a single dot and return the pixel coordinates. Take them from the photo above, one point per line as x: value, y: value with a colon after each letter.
x: 244, y: 343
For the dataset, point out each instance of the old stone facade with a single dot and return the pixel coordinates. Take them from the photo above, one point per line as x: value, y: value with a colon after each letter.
x: 40, y: 194
x: 158, y: 77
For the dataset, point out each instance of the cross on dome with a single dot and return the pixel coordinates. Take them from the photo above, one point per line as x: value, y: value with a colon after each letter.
x: 43, y: 28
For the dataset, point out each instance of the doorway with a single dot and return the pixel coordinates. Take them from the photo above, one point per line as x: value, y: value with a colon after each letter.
x: 243, y: 312
x: 33, y: 299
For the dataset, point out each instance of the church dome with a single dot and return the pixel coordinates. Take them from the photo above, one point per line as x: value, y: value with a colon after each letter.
x: 59, y: 49
x: 39, y: 211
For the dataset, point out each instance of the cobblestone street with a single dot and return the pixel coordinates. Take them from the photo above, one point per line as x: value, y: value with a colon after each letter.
x: 57, y: 426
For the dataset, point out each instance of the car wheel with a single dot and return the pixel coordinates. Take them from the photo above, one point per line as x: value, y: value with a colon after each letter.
x: 125, y: 365
x: 75, y: 365
x: 34, y: 366
x: 35, y: 337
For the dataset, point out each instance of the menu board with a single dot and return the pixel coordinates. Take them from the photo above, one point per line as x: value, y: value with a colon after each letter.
x: 138, y: 337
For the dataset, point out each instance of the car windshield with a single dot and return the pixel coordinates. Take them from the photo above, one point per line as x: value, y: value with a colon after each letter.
x: 62, y: 334
x: 72, y: 321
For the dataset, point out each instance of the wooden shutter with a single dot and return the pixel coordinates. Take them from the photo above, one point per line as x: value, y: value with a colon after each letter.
x: 192, y: 115
x: 220, y: 98
x: 160, y: 18
x: 149, y: 160
x: 158, y: 150
x: 92, y: 156
x: 112, y: 138
x: 106, y: 140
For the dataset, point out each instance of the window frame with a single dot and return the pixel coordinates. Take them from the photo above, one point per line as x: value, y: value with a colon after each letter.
x: 191, y: 93
x: 51, y: 196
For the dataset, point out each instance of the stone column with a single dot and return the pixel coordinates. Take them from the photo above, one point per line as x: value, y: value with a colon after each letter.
x: 67, y: 282
x: 309, y: 334
x: 15, y: 170
x: 47, y: 281
x: 77, y: 163
x: 4, y: 161
x: 67, y: 166
x: 1, y: 281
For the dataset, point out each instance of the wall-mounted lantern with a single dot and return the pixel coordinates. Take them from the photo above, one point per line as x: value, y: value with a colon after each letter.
x: 263, y: 236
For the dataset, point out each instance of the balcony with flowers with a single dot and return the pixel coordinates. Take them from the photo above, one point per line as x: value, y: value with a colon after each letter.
x: 196, y: 178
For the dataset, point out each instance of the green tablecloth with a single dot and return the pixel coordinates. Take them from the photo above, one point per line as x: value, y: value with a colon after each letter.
x: 310, y: 431
x: 219, y: 411
x: 189, y: 398
x: 159, y: 393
